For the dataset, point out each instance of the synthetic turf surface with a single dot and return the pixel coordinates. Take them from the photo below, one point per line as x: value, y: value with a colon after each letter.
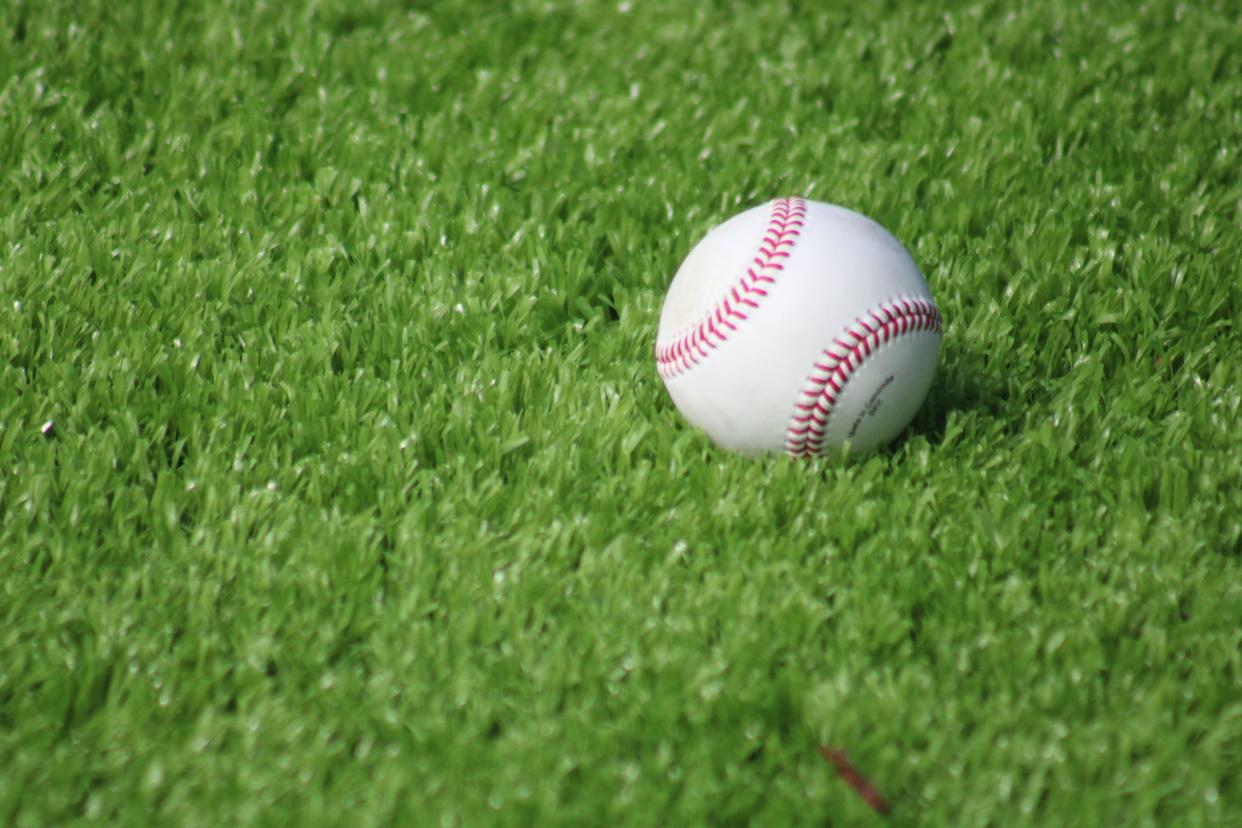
x: 362, y: 502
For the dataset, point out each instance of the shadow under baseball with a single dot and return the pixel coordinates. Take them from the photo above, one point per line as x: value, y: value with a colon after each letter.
x: 964, y: 383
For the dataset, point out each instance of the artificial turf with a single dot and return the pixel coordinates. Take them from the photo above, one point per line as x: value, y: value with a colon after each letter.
x: 337, y: 484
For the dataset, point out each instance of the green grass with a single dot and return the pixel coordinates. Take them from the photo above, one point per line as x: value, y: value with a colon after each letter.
x: 363, y: 502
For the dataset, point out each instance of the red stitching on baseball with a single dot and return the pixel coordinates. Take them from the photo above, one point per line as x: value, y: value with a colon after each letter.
x: 779, y: 238
x: 839, y: 361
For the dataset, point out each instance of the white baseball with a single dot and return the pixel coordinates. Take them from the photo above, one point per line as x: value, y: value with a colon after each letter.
x: 797, y: 326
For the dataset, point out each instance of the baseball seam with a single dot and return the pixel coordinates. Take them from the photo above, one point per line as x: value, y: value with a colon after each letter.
x: 743, y: 298
x: 842, y: 359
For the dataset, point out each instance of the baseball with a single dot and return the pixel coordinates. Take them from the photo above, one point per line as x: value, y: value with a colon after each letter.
x: 798, y: 326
